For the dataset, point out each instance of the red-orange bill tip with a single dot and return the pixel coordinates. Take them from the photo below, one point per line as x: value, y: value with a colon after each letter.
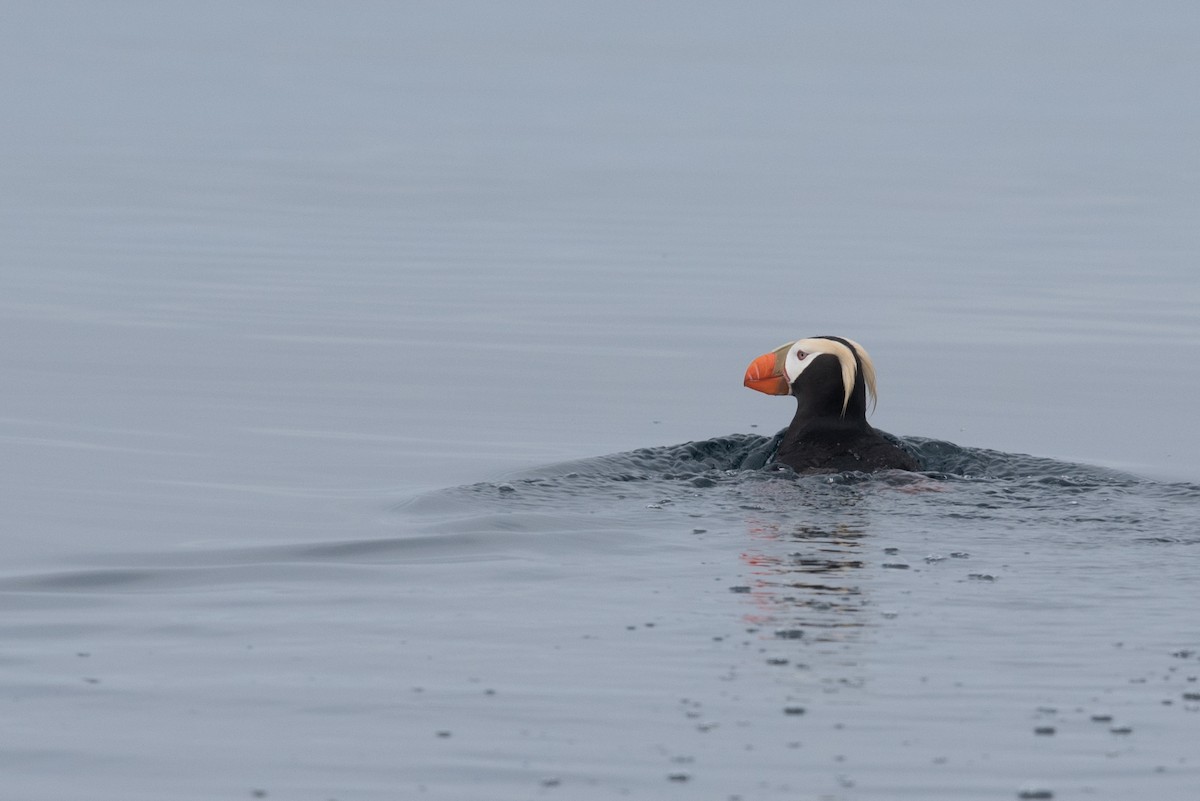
x: 764, y: 375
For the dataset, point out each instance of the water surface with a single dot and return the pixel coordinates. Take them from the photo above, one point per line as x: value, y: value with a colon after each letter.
x: 348, y: 355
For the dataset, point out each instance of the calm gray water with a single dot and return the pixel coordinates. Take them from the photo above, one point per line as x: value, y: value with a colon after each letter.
x: 349, y: 351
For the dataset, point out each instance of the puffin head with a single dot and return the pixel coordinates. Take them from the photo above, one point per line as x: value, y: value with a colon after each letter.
x: 830, y: 375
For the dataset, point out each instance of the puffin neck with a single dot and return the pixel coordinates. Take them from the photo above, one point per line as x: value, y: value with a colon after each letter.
x: 820, y: 396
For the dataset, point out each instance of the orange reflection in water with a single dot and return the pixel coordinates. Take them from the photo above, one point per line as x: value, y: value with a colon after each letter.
x: 803, y: 577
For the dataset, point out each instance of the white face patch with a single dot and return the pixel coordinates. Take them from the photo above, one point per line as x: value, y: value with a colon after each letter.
x: 797, y: 359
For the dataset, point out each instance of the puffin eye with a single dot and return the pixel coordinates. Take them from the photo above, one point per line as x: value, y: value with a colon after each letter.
x: 801, y: 355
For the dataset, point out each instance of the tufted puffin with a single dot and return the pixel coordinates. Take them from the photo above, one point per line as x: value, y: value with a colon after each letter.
x: 830, y: 378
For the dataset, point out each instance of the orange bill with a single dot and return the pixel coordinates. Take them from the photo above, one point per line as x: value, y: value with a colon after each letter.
x: 765, y: 374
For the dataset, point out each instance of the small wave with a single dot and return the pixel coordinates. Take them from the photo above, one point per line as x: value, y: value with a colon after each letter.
x: 732, y: 475
x: 747, y: 456
x: 629, y: 501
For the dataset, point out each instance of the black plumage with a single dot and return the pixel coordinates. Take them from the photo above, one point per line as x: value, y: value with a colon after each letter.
x: 829, y: 432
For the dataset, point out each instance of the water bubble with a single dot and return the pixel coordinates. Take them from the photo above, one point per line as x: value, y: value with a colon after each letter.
x: 1031, y: 792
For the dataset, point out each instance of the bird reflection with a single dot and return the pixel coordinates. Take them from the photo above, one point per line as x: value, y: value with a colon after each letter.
x: 803, y: 577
